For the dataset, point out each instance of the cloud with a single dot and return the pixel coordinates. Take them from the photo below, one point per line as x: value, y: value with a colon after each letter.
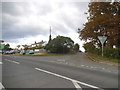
x: 32, y: 19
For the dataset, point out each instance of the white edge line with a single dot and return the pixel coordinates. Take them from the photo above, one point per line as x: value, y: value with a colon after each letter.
x: 76, y: 84
x: 68, y: 78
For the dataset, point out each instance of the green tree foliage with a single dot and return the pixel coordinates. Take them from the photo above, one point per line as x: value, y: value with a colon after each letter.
x: 108, y: 51
x: 104, y: 19
x: 89, y: 47
x: 18, y: 46
x: 25, y: 47
x: 76, y: 47
x: 60, y: 44
x: 112, y: 52
x: 7, y: 47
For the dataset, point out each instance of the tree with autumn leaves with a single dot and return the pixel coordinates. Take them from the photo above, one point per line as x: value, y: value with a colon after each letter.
x: 103, y: 20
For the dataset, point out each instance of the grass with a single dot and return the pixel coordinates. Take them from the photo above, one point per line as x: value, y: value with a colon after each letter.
x: 105, y: 58
x: 46, y: 54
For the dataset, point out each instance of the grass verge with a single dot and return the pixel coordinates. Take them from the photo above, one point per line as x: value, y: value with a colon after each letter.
x: 104, y: 58
x: 46, y: 54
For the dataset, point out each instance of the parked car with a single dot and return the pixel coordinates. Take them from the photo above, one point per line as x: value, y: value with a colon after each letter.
x: 17, y: 51
x: 23, y: 52
x: 31, y: 52
x: 11, y: 52
x: 6, y: 52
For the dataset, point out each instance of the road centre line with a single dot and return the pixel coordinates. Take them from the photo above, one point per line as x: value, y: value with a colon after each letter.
x: 76, y: 85
x: 12, y: 61
x: 73, y: 80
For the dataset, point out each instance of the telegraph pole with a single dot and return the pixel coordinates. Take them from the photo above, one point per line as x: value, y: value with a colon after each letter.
x: 50, y: 35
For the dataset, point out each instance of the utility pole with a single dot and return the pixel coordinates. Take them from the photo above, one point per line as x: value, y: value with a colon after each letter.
x: 50, y: 35
x: 50, y: 30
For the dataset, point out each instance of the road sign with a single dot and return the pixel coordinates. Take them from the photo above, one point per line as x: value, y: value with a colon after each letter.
x: 2, y: 46
x: 102, y: 40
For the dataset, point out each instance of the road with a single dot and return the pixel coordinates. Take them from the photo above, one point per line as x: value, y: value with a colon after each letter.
x: 61, y: 71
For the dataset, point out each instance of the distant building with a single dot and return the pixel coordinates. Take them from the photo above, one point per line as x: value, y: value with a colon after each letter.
x: 37, y: 44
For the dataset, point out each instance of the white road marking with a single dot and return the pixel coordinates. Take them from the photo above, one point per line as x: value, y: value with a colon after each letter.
x: 82, y: 65
x: 91, y: 67
x: 103, y: 68
x: 68, y: 78
x: 12, y: 61
x: 1, y: 63
x: 94, y: 67
x: 1, y: 86
x: 61, y: 60
x: 76, y: 85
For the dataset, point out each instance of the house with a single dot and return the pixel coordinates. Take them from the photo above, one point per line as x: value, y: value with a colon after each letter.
x: 37, y: 44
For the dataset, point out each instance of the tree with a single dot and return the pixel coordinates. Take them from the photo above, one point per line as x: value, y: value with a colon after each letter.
x: 7, y: 47
x: 60, y: 44
x: 25, y: 47
x: 103, y: 20
x: 76, y: 47
x: 89, y: 47
x: 18, y: 46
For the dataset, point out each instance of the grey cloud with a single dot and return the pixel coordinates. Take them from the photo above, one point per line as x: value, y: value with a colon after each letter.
x: 12, y: 33
x: 59, y: 28
x: 23, y: 8
x: 82, y: 5
x: 7, y: 21
x: 44, y: 9
x: 10, y: 8
x: 11, y: 11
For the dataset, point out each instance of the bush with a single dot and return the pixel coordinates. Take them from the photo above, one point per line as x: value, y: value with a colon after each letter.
x: 112, y: 52
x: 89, y: 47
x: 108, y: 51
x: 76, y: 47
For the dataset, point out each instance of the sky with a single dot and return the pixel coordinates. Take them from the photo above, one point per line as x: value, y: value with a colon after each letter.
x: 27, y: 22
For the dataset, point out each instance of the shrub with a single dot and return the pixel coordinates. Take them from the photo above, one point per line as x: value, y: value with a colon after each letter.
x: 108, y: 52
x: 112, y: 52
